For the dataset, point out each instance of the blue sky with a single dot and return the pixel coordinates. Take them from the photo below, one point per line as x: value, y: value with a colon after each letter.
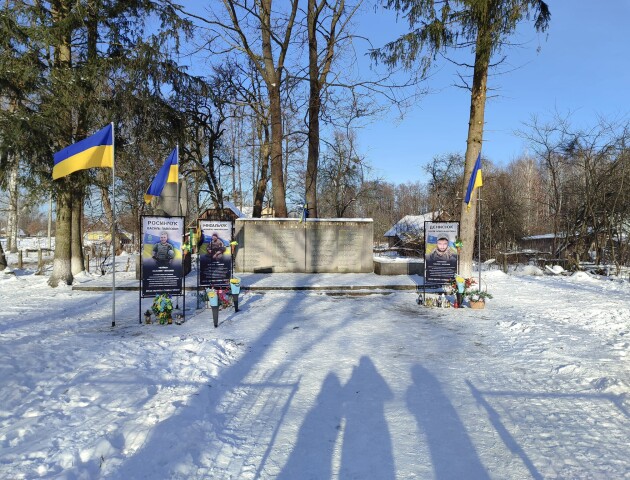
x: 581, y: 68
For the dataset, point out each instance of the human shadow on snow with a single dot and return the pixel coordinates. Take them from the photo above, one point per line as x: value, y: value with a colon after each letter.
x: 311, y: 457
x: 367, y: 446
x: 453, y: 454
x: 366, y: 449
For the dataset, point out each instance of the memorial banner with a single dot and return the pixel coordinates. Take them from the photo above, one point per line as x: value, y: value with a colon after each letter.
x: 161, y: 252
x: 440, y: 253
x: 214, y: 253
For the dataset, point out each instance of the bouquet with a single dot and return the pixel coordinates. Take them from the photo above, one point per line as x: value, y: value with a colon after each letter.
x: 468, y: 282
x: 224, y: 299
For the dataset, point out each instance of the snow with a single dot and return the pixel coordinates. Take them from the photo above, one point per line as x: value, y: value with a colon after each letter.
x: 544, y: 236
x: 411, y: 225
x: 233, y: 208
x: 530, y: 270
x: 395, y: 259
x: 303, y: 384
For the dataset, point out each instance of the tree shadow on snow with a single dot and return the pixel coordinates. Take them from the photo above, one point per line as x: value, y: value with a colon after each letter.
x: 201, y: 436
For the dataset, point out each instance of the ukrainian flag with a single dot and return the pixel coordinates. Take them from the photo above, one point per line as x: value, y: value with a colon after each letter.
x: 476, y: 180
x: 169, y: 173
x: 96, y: 151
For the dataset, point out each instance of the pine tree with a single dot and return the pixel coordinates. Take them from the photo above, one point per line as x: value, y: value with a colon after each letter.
x: 484, y: 26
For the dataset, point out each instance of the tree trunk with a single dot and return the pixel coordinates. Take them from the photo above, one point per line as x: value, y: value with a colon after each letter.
x: 62, y: 271
x: 317, y: 79
x: 277, y: 174
x: 103, y: 178
x: 314, y: 106
x: 3, y: 259
x: 473, y: 146
x: 76, y: 234
x: 12, y: 214
x: 261, y: 186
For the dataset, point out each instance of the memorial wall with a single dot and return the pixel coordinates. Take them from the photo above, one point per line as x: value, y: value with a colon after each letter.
x: 315, y: 246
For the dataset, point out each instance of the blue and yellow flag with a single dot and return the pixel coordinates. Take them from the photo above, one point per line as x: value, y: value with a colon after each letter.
x: 169, y: 173
x: 96, y: 151
x: 476, y: 180
x: 304, y: 212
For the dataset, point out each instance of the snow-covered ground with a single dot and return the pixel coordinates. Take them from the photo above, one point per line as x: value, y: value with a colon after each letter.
x: 306, y: 385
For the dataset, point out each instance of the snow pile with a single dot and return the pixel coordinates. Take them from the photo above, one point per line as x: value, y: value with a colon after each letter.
x: 530, y: 270
x: 582, y: 277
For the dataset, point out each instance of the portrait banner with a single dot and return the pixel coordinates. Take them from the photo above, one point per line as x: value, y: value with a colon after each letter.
x: 214, y: 253
x: 440, y: 253
x: 162, y: 269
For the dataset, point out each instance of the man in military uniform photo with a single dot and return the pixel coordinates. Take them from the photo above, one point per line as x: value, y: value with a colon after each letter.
x: 163, y: 252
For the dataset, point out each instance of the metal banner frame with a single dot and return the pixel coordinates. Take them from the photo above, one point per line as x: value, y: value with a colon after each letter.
x: 441, y: 258
x: 156, y: 260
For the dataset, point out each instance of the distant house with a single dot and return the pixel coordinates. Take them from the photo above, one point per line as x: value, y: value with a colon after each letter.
x: 230, y: 212
x: 598, y: 245
x: 99, y: 232
x: 540, y: 243
x: 97, y: 236
x: 20, y: 233
x: 409, y: 229
x: 267, y: 212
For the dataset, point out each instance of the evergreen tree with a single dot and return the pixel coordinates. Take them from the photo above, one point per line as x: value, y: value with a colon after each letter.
x: 483, y: 25
x: 63, y: 62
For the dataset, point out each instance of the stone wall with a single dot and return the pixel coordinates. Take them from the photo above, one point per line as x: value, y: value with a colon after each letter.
x: 387, y: 267
x: 314, y: 246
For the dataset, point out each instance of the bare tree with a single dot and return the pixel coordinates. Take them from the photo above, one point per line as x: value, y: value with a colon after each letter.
x: 503, y: 211
x: 251, y: 101
x: 546, y: 141
x: 412, y: 198
x: 379, y: 204
x: 584, y: 172
x: 526, y: 173
x: 264, y: 35
x: 343, y: 176
x: 445, y: 174
x: 326, y: 21
x: 205, y: 109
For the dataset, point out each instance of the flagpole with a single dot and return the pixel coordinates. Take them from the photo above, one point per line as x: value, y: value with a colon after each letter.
x: 179, y: 207
x: 179, y: 212
x: 113, y: 227
x: 479, y: 234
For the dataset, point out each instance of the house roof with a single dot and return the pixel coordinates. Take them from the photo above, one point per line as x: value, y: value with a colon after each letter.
x: 410, y: 225
x: 229, y: 205
x: 209, y: 212
x: 544, y: 236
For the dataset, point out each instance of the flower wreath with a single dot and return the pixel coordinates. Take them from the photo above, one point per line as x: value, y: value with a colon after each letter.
x: 162, y: 307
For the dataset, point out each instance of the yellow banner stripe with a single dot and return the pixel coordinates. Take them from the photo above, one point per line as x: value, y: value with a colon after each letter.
x: 173, y: 174
x: 95, y: 157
